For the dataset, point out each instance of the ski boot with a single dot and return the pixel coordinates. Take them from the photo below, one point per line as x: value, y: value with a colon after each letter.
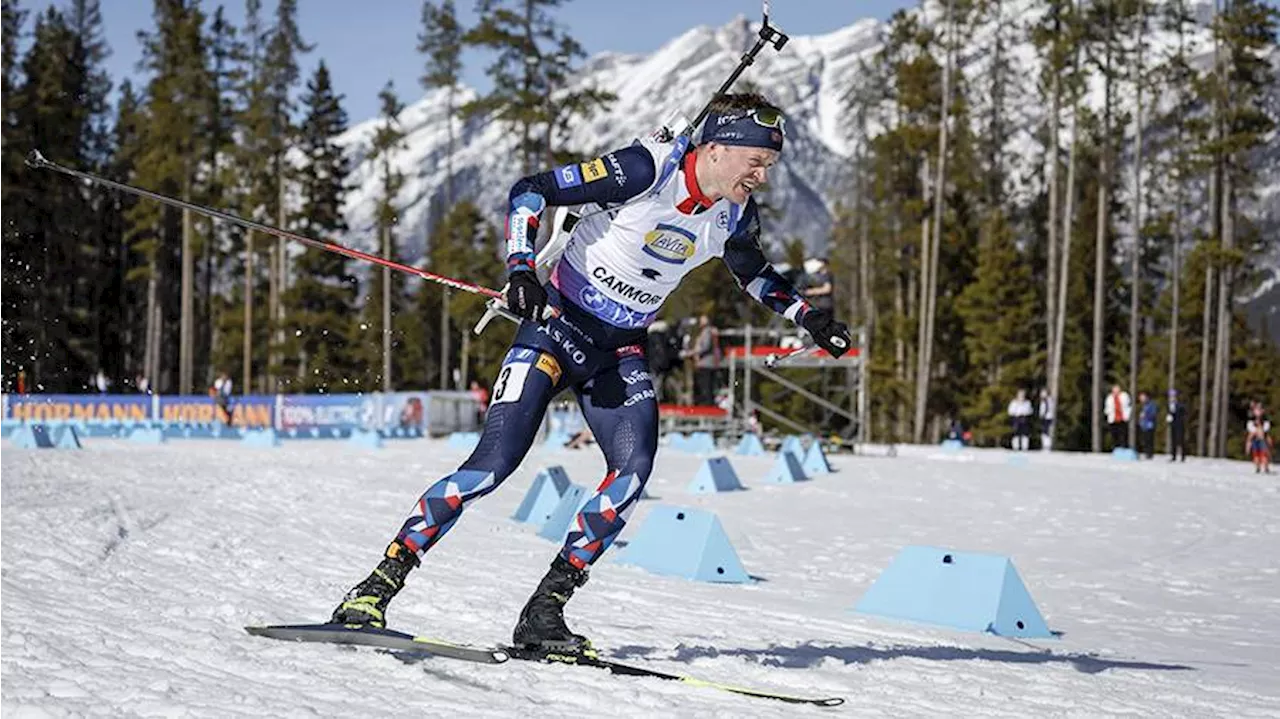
x: 366, y: 604
x: 541, y: 629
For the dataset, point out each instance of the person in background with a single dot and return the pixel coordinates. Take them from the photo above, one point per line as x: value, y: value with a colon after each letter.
x: 705, y: 353
x: 1258, y: 438
x: 1148, y: 413
x: 1176, y: 416
x: 481, y: 393
x: 100, y: 382
x: 221, y: 391
x: 1046, y: 420
x: 1118, y: 407
x: 818, y: 288
x: 1020, y: 415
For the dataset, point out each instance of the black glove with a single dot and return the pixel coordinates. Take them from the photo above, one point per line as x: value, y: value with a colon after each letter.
x: 525, y: 295
x: 830, y: 335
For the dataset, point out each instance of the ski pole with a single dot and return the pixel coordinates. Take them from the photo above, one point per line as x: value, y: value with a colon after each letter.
x: 38, y: 161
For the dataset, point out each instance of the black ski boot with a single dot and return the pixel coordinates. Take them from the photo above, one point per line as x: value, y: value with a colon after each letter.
x: 366, y: 603
x: 541, y: 627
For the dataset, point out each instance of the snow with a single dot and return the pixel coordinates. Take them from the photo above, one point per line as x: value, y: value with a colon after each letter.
x: 128, y: 572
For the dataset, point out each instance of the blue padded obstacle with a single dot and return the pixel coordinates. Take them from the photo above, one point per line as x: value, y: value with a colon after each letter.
x: 66, y: 437
x: 365, y: 438
x: 749, y: 445
x: 543, y: 497
x: 715, y: 475
x: 1017, y: 459
x: 1124, y: 454
x: 32, y: 436
x: 793, y: 445
x: 556, y: 528
x: 684, y: 542
x: 260, y: 438
x: 700, y: 443
x: 147, y: 435
x: 951, y: 446
x: 815, y: 461
x: 464, y: 440
x: 786, y: 470
x: 557, y: 438
x: 677, y: 440
x: 962, y: 590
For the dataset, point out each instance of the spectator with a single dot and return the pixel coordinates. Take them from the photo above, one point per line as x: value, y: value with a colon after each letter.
x: 1148, y: 413
x: 663, y: 352
x: 1020, y: 414
x: 1046, y: 420
x: 142, y: 383
x: 818, y: 289
x: 706, y: 357
x: 1258, y: 438
x: 481, y: 395
x: 1118, y: 407
x: 221, y: 391
x: 955, y: 431
x: 1177, y: 419
x: 22, y: 381
x: 100, y: 382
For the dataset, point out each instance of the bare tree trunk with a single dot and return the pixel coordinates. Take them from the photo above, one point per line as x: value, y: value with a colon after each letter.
x: 386, y: 312
x: 930, y: 291
x: 1175, y: 314
x: 1100, y: 252
x: 186, y: 332
x: 1051, y: 276
x: 1135, y: 276
x: 464, y: 360
x: 1068, y: 222
x: 1222, y: 365
x: 273, y: 297
x: 922, y: 301
x: 282, y: 280
x: 149, y: 368
x: 444, y: 340
x: 247, y: 371
x: 1202, y: 425
x: 1218, y: 232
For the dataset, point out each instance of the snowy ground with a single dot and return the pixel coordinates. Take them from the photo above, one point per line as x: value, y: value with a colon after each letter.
x: 128, y: 572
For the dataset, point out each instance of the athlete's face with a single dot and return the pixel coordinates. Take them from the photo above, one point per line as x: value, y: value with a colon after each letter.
x: 738, y: 171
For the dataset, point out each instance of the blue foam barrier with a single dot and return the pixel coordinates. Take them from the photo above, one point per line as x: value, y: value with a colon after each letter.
x: 402, y: 433
x: 557, y: 438
x: 700, y: 443
x: 222, y: 431
x: 556, y: 528
x: 66, y: 437
x: 1124, y: 454
x: 684, y: 542
x: 715, y: 475
x: 962, y: 590
x: 464, y: 440
x: 951, y: 446
x: 543, y: 497
x: 793, y: 445
x: 749, y: 445
x: 786, y: 469
x: 9, y: 426
x: 32, y: 436
x: 1017, y: 460
x: 677, y: 440
x: 365, y: 438
x: 815, y: 461
x: 260, y: 438
x: 147, y: 435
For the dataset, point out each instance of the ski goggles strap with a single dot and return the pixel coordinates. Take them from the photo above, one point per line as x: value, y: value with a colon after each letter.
x: 753, y: 128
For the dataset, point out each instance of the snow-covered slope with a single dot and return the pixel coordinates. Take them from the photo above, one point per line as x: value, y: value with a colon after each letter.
x: 128, y: 571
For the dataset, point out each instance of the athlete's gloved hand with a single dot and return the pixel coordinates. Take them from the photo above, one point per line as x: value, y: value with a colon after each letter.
x: 526, y: 296
x: 831, y: 335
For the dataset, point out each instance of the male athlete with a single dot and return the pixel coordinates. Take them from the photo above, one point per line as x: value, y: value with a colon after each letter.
x: 670, y: 209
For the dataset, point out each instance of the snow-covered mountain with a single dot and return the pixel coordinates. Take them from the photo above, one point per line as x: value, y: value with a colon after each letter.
x: 810, y: 79
x: 807, y: 79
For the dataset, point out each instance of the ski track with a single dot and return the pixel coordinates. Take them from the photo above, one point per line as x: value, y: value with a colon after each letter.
x: 128, y: 572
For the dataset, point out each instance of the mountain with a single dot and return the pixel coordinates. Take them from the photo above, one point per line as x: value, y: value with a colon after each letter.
x: 806, y: 79
x: 809, y: 79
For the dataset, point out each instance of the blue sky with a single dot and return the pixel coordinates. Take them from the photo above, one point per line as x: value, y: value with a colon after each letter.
x: 366, y: 43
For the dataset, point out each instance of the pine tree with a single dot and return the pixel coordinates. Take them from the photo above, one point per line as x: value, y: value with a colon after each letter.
x: 441, y: 42
x: 999, y: 312
x: 534, y: 61
x: 319, y: 347
x: 385, y: 303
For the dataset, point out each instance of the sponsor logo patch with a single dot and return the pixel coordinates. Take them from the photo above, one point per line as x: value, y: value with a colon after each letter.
x: 619, y: 176
x: 549, y: 366
x: 594, y: 170
x: 568, y: 176
x: 670, y: 244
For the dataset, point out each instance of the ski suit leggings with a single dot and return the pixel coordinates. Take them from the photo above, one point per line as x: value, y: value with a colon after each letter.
x: 616, y: 394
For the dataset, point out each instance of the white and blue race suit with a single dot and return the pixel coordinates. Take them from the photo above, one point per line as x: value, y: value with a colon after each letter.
x: 618, y: 268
